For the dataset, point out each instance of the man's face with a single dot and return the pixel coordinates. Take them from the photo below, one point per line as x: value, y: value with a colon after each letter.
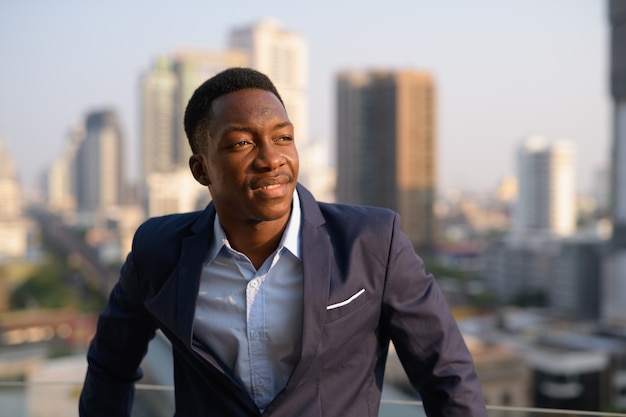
x: 250, y: 159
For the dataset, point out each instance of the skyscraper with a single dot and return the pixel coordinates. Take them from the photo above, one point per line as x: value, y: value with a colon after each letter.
x: 281, y: 54
x: 386, y: 146
x: 159, y: 150
x: 546, y: 200
x: 614, y: 288
x: 100, y: 163
x: 62, y: 179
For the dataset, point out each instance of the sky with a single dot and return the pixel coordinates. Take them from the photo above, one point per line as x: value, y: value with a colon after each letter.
x: 503, y: 70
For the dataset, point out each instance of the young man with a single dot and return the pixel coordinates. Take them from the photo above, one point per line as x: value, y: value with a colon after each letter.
x: 274, y: 304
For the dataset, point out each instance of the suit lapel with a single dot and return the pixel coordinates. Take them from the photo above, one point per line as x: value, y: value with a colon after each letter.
x: 188, y: 274
x: 174, y: 304
x: 316, y: 270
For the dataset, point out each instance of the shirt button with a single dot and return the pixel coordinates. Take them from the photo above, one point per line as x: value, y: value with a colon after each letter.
x: 254, y: 284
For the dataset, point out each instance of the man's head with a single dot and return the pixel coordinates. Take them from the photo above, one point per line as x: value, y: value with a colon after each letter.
x: 244, y: 147
x: 199, y: 112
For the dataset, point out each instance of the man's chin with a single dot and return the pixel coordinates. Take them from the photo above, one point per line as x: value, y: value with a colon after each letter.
x: 274, y: 214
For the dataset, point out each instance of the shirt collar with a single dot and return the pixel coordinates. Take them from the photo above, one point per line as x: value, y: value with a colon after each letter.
x: 290, y: 239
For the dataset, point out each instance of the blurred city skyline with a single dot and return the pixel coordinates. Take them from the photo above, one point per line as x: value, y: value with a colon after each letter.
x: 502, y: 71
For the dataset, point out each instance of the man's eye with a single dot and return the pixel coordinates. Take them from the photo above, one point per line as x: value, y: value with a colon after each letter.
x: 240, y: 144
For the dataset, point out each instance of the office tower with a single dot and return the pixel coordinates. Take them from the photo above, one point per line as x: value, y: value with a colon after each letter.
x: 281, y: 54
x: 546, y: 200
x: 386, y: 146
x: 62, y: 179
x: 159, y: 149
x: 100, y: 164
x: 614, y: 288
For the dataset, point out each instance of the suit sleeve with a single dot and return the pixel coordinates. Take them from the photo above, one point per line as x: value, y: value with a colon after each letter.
x: 115, y: 353
x: 426, y: 337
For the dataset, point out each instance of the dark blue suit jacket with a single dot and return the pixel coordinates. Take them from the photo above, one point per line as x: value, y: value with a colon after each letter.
x: 340, y: 371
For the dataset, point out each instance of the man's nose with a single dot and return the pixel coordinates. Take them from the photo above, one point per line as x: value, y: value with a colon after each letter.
x: 269, y: 156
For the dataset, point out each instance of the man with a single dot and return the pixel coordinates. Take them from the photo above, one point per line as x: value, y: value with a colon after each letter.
x: 274, y: 304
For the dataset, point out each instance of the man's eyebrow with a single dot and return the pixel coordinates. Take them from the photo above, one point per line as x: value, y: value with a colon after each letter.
x: 283, y: 124
x: 237, y: 129
x: 242, y: 128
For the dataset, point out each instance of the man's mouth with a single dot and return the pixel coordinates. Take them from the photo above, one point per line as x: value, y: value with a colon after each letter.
x: 270, y: 183
x: 269, y: 187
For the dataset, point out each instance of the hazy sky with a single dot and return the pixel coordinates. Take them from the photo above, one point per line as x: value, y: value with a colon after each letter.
x: 503, y: 69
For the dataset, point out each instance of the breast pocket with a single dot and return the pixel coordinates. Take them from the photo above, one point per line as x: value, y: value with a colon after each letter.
x: 346, y: 305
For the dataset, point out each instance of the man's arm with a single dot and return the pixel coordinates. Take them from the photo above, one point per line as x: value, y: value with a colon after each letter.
x: 115, y: 353
x: 426, y: 337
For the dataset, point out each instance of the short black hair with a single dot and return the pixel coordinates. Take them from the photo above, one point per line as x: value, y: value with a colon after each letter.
x: 198, y: 113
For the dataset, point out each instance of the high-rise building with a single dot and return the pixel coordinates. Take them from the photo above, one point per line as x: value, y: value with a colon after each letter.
x: 281, y: 54
x: 100, y: 164
x: 614, y: 288
x: 62, y: 179
x: 159, y: 129
x: 546, y: 200
x: 386, y: 142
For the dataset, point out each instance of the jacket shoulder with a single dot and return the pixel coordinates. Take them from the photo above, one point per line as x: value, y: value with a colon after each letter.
x: 360, y: 222
x: 167, y: 226
x: 357, y: 214
x: 163, y: 235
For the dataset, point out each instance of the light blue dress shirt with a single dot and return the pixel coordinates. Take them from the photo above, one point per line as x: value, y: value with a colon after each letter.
x: 252, y: 320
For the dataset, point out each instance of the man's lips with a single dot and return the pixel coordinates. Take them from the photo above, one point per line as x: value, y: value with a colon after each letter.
x: 268, y: 183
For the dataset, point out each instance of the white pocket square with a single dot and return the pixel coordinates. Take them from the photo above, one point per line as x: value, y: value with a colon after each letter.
x: 345, y: 302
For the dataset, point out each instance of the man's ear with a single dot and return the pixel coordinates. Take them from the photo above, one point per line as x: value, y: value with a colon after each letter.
x: 196, y: 164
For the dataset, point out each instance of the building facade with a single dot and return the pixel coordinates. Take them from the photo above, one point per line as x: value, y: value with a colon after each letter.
x: 614, y: 288
x: 546, y: 201
x: 386, y: 146
x: 100, y: 164
x: 159, y: 129
x: 62, y: 179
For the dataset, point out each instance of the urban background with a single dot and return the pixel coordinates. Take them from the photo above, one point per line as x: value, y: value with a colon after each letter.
x: 526, y: 234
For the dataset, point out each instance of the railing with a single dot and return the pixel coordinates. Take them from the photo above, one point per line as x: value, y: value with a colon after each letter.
x: 54, y: 398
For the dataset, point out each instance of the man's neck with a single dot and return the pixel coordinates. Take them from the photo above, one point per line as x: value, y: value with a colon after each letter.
x: 256, y: 240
